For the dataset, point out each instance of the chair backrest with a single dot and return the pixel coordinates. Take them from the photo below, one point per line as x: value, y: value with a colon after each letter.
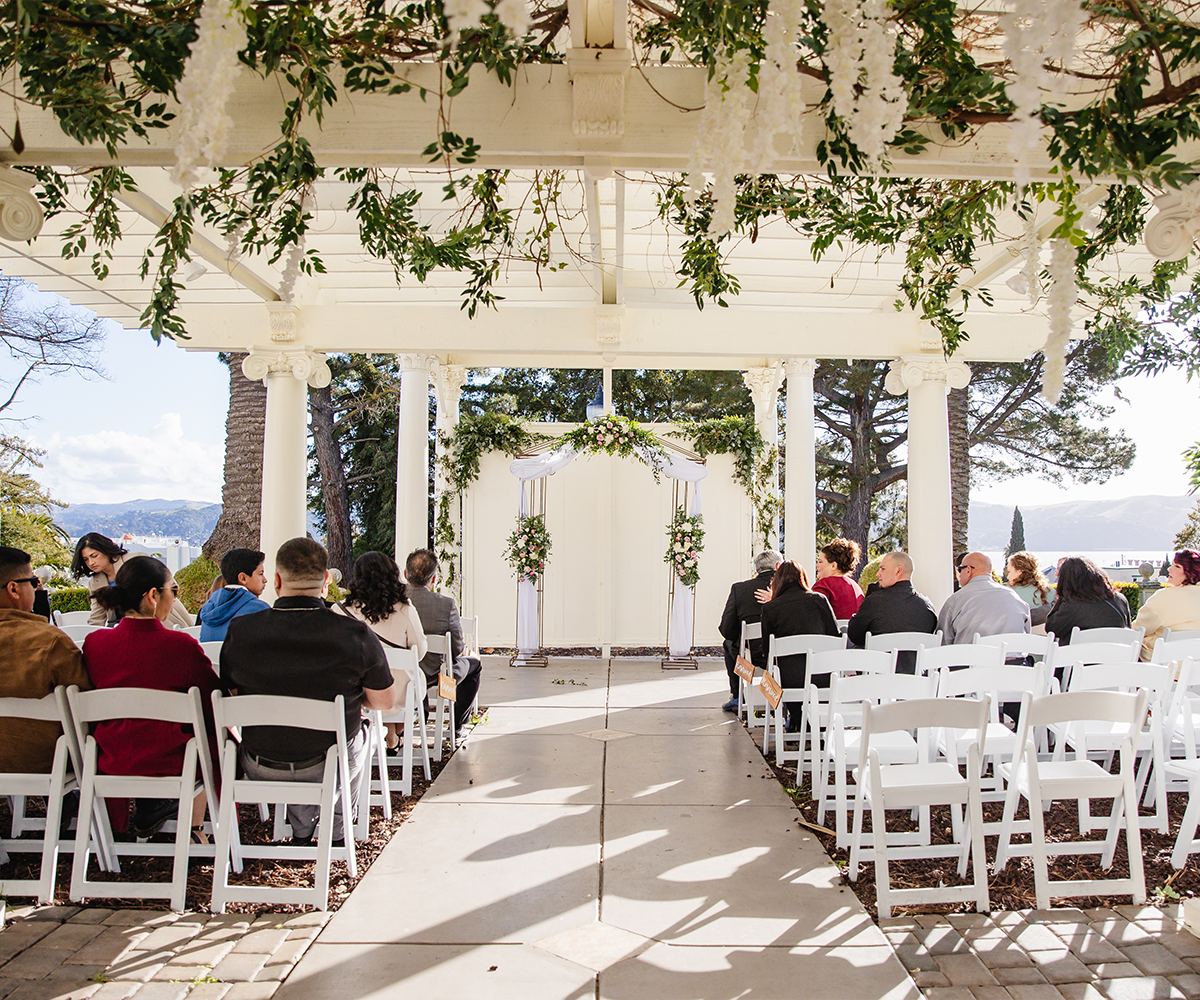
x: 1018, y: 643
x: 950, y: 716
x: 1003, y: 683
x: 1156, y: 678
x: 470, y: 631
x: 1175, y: 650
x: 213, y: 651
x: 441, y: 645
x: 903, y: 640
x: 791, y: 645
x: 1082, y: 706
x: 62, y: 618
x: 750, y: 630
x: 77, y: 633
x: 878, y: 689
x: 1097, y: 652
x: 862, y: 661
x: 51, y: 708
x: 404, y: 663
x: 1183, y: 634
x: 192, y: 630
x: 231, y: 711
x: 1181, y: 714
x: 1113, y: 634
x: 934, y: 658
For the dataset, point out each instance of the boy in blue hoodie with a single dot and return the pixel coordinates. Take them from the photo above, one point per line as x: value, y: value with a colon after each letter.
x: 246, y: 569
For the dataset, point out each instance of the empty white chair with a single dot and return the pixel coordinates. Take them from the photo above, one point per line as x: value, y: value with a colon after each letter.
x: 889, y: 641
x: 62, y: 618
x: 1019, y: 643
x: 1183, y: 722
x: 1067, y: 657
x: 883, y: 785
x: 934, y: 658
x: 301, y: 713
x: 1170, y: 635
x: 77, y: 633
x: 750, y: 698
x: 1121, y: 635
x: 443, y: 708
x: 1045, y: 781
x: 1175, y: 651
x: 470, y: 634
x: 195, y: 775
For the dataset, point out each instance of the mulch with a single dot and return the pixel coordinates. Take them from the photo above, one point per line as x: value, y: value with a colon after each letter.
x: 1013, y: 888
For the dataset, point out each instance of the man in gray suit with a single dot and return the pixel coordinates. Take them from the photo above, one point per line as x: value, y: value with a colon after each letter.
x: 439, y: 615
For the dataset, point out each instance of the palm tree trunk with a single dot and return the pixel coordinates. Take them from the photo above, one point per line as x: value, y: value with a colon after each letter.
x: 241, y: 496
x: 338, y: 539
x: 958, y: 410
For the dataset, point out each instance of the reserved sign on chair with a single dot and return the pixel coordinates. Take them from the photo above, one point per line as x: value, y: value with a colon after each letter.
x: 744, y: 669
x: 771, y: 690
x: 447, y: 687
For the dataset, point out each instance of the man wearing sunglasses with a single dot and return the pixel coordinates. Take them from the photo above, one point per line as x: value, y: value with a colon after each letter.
x: 980, y: 605
x: 34, y: 658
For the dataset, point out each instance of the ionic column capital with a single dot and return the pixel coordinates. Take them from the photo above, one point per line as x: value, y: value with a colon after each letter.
x: 1169, y: 235
x: 911, y: 370
x: 417, y: 362
x: 763, y: 384
x: 800, y: 367
x: 301, y: 363
x: 20, y: 212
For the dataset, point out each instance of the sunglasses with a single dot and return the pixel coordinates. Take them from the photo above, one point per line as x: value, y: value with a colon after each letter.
x: 174, y: 589
x: 961, y: 568
x: 33, y: 581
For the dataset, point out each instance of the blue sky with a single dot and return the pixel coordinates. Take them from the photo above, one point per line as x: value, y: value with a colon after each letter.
x: 156, y: 428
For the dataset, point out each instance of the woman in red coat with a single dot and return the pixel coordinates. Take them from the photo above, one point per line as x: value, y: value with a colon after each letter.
x: 141, y: 652
x: 835, y: 562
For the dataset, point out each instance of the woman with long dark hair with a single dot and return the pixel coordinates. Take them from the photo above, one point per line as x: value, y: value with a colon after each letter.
x: 1085, y: 597
x: 99, y: 558
x: 141, y: 651
x: 379, y: 597
x: 1176, y: 607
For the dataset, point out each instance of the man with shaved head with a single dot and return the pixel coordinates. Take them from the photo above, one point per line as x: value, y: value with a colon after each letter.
x: 893, y: 606
x: 981, y: 606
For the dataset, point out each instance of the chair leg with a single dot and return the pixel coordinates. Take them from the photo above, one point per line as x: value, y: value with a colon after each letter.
x: 1133, y: 836
x: 883, y: 884
x: 1037, y: 841
x: 1185, y: 840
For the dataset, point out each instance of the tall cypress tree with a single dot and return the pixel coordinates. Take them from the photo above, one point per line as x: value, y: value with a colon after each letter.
x: 1016, y: 537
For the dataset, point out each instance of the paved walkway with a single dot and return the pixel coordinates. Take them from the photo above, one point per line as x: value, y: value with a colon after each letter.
x: 604, y: 834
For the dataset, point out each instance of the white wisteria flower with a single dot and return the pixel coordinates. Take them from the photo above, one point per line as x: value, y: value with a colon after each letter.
x: 781, y: 106
x: 720, y: 147
x: 209, y: 77
x: 463, y: 14
x: 1063, y: 293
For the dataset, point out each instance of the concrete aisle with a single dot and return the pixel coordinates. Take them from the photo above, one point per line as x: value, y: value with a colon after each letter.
x: 606, y: 833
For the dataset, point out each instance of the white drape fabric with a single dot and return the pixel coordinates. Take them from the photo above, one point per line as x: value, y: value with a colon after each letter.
x: 679, y: 629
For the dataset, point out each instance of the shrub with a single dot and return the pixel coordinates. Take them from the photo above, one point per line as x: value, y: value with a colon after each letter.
x: 870, y: 573
x: 70, y: 599
x: 1133, y: 594
x: 195, y: 581
x: 335, y: 593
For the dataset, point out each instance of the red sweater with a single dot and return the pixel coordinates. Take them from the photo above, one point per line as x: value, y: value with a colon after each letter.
x: 844, y: 594
x: 140, y: 652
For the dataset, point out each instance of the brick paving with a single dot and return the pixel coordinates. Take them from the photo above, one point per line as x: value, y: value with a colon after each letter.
x: 1126, y: 953
x: 72, y: 953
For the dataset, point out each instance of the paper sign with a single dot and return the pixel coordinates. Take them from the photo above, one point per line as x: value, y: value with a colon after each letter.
x: 771, y: 690
x: 447, y: 687
x: 744, y: 669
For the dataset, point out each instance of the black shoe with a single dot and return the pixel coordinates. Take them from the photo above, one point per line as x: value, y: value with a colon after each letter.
x: 302, y: 841
x: 149, y: 815
x: 70, y: 809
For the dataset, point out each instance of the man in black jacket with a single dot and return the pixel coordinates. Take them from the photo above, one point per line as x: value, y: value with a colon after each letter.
x: 743, y: 606
x: 893, y: 606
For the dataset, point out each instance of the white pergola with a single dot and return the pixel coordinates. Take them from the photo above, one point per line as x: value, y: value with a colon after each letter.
x: 614, y: 129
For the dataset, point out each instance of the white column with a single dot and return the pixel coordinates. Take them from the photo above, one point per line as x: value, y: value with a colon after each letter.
x: 412, y: 455
x: 763, y: 384
x: 928, y: 379
x: 800, y: 464
x: 448, y: 380
x: 287, y: 375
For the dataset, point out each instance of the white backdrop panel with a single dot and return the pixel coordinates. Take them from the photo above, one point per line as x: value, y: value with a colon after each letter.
x: 585, y: 529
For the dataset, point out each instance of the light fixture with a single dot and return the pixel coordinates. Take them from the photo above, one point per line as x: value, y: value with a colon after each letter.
x: 193, y: 270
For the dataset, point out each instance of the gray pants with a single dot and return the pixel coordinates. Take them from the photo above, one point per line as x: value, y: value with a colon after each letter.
x: 303, y: 818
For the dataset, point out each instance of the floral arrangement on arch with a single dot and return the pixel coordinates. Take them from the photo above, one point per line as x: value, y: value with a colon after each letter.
x: 528, y: 548
x: 685, y: 542
x: 617, y: 435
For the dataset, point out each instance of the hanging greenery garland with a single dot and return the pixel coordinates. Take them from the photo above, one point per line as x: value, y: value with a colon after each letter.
x: 528, y: 547
x: 685, y: 542
x: 616, y: 435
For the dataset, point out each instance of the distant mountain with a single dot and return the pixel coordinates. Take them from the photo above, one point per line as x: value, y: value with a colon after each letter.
x: 188, y: 520
x: 1135, y: 523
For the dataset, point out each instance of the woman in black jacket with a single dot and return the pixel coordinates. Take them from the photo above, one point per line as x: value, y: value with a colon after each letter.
x: 1085, y: 597
x: 794, y: 609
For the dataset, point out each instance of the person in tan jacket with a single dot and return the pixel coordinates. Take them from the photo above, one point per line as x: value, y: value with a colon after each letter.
x: 1176, y: 607
x: 35, y: 657
x: 98, y: 558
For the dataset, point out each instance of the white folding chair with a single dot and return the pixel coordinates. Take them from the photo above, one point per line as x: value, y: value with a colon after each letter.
x: 1113, y: 634
x: 897, y: 642
x: 89, y: 707
x: 77, y: 633
x: 843, y: 744
x: 1104, y: 738
x: 920, y: 784
x: 1183, y: 723
x: 470, y: 635
x: 64, y: 618
x: 410, y: 713
x: 443, y: 707
x: 1169, y: 635
x: 1066, y: 658
x: 192, y: 630
x: 1019, y: 643
x: 1175, y: 651
x: 300, y: 713
x: 750, y: 698
x: 1044, y: 781
x: 931, y: 659
x: 792, y: 645
x: 814, y: 715
x: 999, y: 684
x: 213, y: 651
x: 52, y: 787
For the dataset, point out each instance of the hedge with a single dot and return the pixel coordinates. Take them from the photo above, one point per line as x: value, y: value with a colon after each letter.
x: 195, y: 581
x: 1133, y: 594
x: 70, y: 599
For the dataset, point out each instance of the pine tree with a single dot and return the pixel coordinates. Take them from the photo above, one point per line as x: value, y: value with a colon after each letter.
x: 1016, y: 537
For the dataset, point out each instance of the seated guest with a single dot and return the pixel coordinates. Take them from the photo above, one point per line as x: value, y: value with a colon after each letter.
x: 244, y: 569
x: 981, y: 605
x: 743, y: 606
x: 1085, y: 598
x: 1026, y: 578
x: 142, y: 652
x: 835, y: 562
x: 1176, y: 607
x: 794, y: 609
x: 893, y: 606
x: 41, y: 596
x: 379, y: 597
x: 299, y: 648
x: 35, y: 657
x: 438, y: 615
x: 99, y: 558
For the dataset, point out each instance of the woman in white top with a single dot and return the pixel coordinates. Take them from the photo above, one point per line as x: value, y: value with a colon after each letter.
x: 97, y: 559
x: 379, y: 597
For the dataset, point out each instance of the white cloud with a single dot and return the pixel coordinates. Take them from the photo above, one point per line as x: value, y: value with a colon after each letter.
x: 108, y: 466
